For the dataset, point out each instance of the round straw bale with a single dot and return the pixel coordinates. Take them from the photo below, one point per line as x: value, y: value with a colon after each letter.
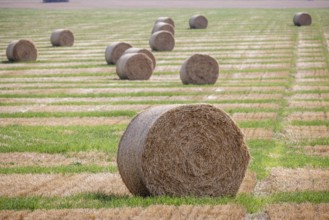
x: 21, y: 50
x: 199, y: 69
x: 162, y: 26
x: 162, y: 41
x: 183, y: 150
x: 198, y: 22
x: 134, y: 66
x: 114, y: 51
x: 302, y: 19
x: 144, y: 51
x: 62, y: 38
x: 165, y: 20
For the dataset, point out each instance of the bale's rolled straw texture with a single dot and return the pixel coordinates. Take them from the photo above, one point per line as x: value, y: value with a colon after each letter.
x: 134, y: 66
x: 198, y: 22
x: 302, y: 19
x: 162, y: 41
x: 21, y: 50
x: 62, y: 38
x: 114, y: 51
x: 199, y: 69
x: 165, y: 20
x: 186, y: 150
x: 144, y: 51
x: 161, y: 26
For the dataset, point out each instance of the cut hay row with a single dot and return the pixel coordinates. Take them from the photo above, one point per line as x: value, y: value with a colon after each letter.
x: 294, y: 180
x: 257, y: 133
x: 70, y: 108
x: 85, y: 91
x: 47, y: 101
x: 14, y: 185
x: 102, y: 108
x: 317, y: 150
x: 296, y: 133
x: 97, y: 121
x: 309, y: 104
x: 298, y: 211
x: 303, y: 88
x: 165, y: 212
x: 65, y: 121
x: 98, y: 99
x: 308, y: 116
x: 24, y: 159
x: 311, y: 96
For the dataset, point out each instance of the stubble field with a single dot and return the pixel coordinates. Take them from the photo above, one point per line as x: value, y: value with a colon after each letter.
x: 61, y: 117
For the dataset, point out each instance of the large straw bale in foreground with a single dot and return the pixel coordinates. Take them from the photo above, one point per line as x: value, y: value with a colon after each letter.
x: 199, y: 69
x: 187, y: 150
x: 302, y: 19
x: 21, y: 50
x: 198, y: 22
x: 62, y: 38
x: 134, y: 66
x: 162, y: 41
x: 114, y: 51
x: 144, y: 51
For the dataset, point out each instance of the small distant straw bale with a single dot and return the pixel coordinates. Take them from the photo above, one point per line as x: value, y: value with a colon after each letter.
x: 198, y: 22
x: 162, y: 41
x: 183, y: 150
x: 167, y: 20
x: 134, y: 66
x: 302, y: 19
x: 199, y: 69
x: 63, y: 38
x: 144, y: 51
x: 162, y: 26
x: 114, y: 51
x: 21, y: 50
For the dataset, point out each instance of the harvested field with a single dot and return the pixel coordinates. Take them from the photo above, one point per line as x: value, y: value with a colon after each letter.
x: 62, y: 116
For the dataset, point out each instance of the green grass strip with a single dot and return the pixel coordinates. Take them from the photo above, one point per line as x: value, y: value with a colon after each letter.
x: 253, y: 204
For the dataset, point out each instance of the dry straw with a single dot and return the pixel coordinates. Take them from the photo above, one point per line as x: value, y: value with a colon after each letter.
x: 134, y: 66
x: 199, y: 69
x: 198, y: 22
x: 162, y: 41
x: 114, y: 51
x: 302, y: 19
x: 183, y: 150
x: 162, y: 26
x: 144, y: 51
x: 62, y: 38
x: 21, y: 50
x: 167, y: 20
